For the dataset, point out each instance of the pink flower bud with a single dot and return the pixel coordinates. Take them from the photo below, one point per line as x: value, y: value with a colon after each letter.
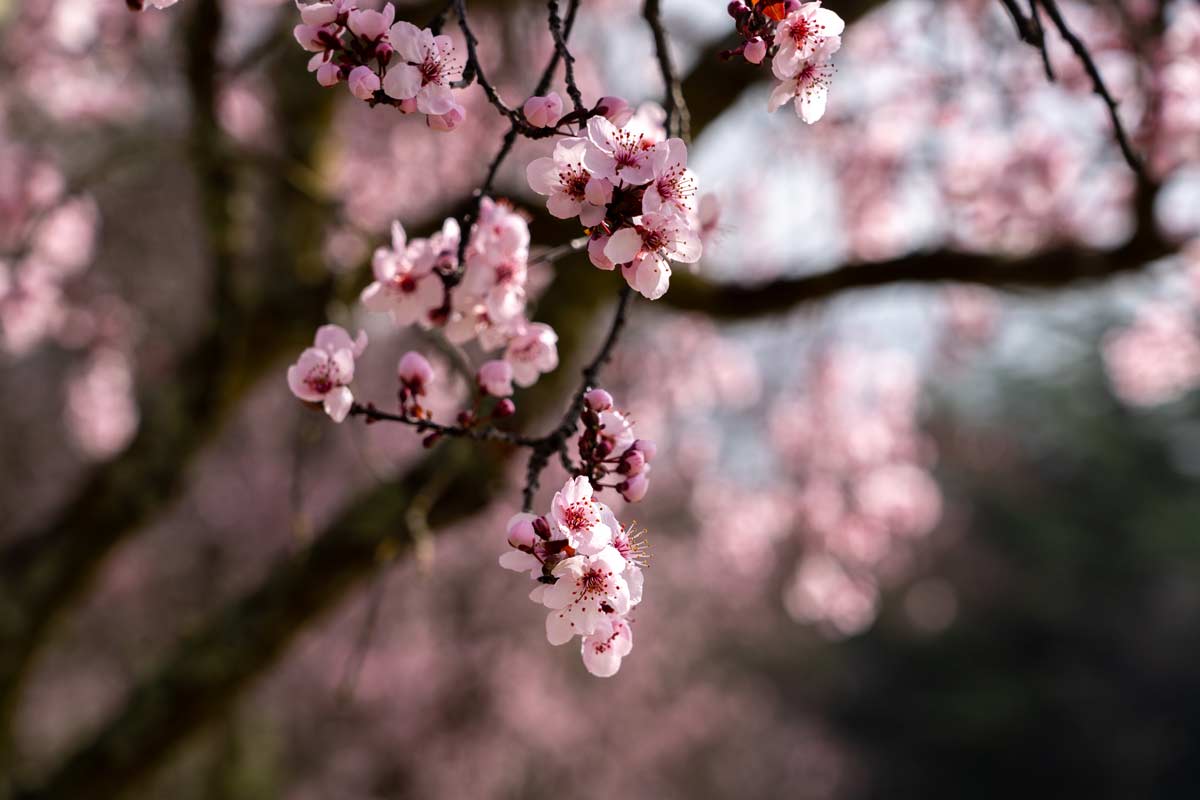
x: 604, y: 449
x: 635, y: 488
x: 616, y: 109
x: 328, y: 74
x: 543, y: 112
x: 541, y: 528
x: 415, y: 372
x: 363, y: 83
x: 448, y: 121
x: 505, y: 408
x: 632, y: 463
x: 383, y: 51
x: 598, y: 400
x: 495, y: 377
x: 520, y: 531
x: 756, y: 50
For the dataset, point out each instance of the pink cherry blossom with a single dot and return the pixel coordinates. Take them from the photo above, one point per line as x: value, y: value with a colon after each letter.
x: 809, y: 85
x: 323, y: 372
x: 589, y: 590
x: 802, y: 34
x: 495, y: 378
x: 532, y: 352
x: 543, y: 111
x: 644, y: 251
x: 426, y: 69
x: 618, y: 154
x: 603, y: 650
x: 405, y: 285
x: 673, y: 187
x: 579, y: 518
x: 573, y: 190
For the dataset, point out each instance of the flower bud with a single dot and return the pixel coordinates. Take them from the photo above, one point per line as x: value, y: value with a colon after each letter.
x: 543, y: 112
x: 520, y: 531
x: 756, y: 50
x: 363, y: 83
x: 632, y: 463
x: 598, y: 400
x: 505, y: 408
x: 541, y: 527
x: 328, y: 74
x: 495, y: 378
x: 383, y: 52
x: 616, y: 109
x: 415, y: 372
x: 635, y: 488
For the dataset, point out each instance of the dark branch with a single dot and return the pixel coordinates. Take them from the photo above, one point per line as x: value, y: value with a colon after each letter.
x: 678, y: 119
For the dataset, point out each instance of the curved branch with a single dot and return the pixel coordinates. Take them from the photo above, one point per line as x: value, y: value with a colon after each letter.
x: 1049, y: 269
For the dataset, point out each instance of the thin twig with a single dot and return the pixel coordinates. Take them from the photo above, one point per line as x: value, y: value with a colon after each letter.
x: 373, y: 414
x: 678, y: 118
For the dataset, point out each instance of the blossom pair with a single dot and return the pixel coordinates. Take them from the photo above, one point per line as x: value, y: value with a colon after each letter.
x: 588, y: 570
x: 805, y: 40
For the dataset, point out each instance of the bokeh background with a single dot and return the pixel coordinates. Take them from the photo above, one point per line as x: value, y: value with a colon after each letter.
x: 924, y: 526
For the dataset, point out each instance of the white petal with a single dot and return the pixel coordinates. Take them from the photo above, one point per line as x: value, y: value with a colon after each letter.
x: 338, y: 402
x: 623, y: 246
x: 558, y: 628
x: 402, y: 81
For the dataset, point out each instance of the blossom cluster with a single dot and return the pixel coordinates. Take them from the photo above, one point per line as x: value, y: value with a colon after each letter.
x: 801, y: 38
x: 422, y: 282
x: 588, y: 570
x: 383, y: 61
x: 631, y: 188
x: 610, y: 448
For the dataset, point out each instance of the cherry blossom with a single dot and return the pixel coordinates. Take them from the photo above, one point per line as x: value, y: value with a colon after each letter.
x: 645, y: 249
x: 428, y: 71
x: 586, y: 592
x: 573, y: 190
x: 809, y: 86
x: 532, y: 352
x: 673, y: 187
x: 579, y: 518
x: 405, y: 285
x: 802, y: 34
x: 324, y: 371
x: 604, y: 648
x: 618, y: 154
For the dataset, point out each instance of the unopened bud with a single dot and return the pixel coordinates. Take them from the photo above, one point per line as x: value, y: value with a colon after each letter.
x: 505, y: 408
